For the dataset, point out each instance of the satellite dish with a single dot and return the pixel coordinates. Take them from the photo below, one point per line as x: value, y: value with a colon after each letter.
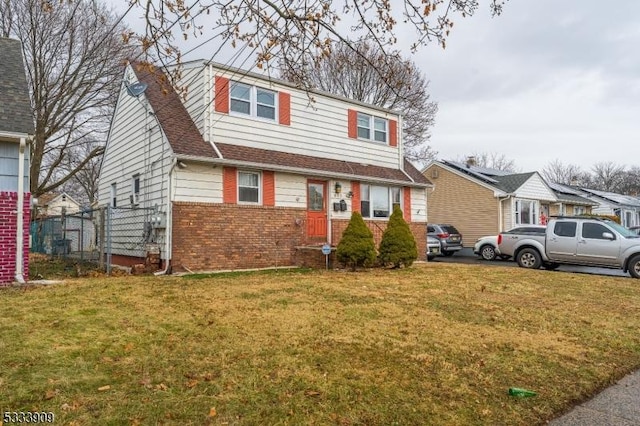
x: 136, y: 89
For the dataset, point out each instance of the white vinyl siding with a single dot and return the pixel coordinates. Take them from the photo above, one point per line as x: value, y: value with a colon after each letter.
x: 198, y: 183
x: 318, y: 128
x: 535, y: 189
x: 132, y: 149
x: 418, y: 205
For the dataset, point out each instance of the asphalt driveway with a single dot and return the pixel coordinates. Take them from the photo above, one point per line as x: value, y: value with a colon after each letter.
x: 466, y: 256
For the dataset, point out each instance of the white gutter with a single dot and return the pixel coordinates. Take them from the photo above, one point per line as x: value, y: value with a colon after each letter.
x: 19, y: 277
x: 168, y: 231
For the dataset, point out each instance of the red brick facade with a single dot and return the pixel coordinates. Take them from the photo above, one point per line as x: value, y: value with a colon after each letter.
x: 228, y: 236
x: 8, y: 229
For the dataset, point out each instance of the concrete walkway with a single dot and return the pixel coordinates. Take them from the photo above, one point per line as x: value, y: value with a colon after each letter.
x: 618, y: 405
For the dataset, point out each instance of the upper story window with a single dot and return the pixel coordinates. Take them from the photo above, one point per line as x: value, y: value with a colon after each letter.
x: 378, y: 201
x: 252, y: 101
x: 248, y: 187
x: 372, y: 128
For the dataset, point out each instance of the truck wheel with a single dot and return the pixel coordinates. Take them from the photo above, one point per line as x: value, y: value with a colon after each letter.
x: 529, y: 258
x: 447, y: 253
x: 634, y: 266
x: 487, y: 252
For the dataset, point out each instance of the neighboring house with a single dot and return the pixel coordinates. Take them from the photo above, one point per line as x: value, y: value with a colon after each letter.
x: 57, y: 204
x: 16, y: 129
x: 570, y: 201
x: 480, y: 201
x: 248, y: 172
x: 626, y: 207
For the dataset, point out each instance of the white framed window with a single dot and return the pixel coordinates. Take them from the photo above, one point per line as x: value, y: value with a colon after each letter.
x: 253, y: 101
x: 373, y: 128
x: 380, y: 130
x: 526, y: 212
x: 113, y: 193
x: 248, y: 187
x: 364, y: 126
x: 378, y: 201
x: 579, y: 210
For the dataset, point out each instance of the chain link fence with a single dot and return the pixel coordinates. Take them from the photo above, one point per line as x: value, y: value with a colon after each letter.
x: 96, y: 235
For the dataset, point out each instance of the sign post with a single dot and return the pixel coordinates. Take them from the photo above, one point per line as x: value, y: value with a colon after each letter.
x: 326, y: 250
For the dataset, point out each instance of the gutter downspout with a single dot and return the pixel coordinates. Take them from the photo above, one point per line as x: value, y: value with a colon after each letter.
x: 168, y: 230
x: 19, y: 277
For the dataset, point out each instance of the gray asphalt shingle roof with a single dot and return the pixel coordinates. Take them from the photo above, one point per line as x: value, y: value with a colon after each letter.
x: 185, y: 139
x: 510, y: 183
x: 16, y: 115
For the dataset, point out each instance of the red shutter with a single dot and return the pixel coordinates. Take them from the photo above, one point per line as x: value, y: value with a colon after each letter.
x: 407, y: 203
x: 284, y: 108
x: 222, y: 95
x: 229, y: 185
x: 355, y: 197
x: 393, y: 133
x: 352, y: 120
x: 268, y: 188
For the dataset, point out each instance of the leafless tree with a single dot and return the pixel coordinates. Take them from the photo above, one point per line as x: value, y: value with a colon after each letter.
x: 297, y: 31
x: 83, y: 187
x: 367, y: 75
x: 630, y: 184
x: 608, y: 176
x: 490, y: 160
x: 74, y: 52
x: 567, y: 174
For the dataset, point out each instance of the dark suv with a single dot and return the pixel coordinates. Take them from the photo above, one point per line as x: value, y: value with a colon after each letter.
x: 450, y: 238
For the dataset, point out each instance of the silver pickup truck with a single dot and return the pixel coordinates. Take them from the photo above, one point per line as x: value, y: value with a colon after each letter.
x: 575, y: 240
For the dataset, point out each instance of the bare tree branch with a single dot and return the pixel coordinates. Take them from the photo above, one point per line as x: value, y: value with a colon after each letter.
x: 363, y: 72
x: 74, y: 57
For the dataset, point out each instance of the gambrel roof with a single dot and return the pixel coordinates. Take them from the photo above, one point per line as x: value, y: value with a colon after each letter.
x: 15, y: 107
x: 187, y: 142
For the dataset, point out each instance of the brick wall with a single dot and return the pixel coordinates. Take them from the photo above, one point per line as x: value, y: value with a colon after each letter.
x: 8, y: 229
x: 229, y: 236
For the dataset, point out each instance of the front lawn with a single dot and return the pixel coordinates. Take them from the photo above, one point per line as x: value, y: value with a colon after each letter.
x: 432, y: 344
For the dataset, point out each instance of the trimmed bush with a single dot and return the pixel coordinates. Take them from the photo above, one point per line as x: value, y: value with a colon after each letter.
x: 398, y: 246
x: 356, y: 248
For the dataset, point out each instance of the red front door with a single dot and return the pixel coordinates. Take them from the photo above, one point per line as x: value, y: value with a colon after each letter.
x: 317, y: 209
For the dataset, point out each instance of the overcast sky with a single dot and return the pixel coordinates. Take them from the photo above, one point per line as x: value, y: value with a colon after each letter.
x: 546, y: 80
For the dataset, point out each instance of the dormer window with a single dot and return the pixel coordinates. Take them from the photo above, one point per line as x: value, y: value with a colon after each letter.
x: 373, y: 128
x: 253, y: 101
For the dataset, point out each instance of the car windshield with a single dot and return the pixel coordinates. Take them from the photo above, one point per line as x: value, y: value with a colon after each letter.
x: 627, y: 233
x: 450, y: 229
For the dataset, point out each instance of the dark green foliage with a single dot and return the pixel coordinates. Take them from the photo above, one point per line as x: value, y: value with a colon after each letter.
x: 398, y: 246
x: 356, y: 248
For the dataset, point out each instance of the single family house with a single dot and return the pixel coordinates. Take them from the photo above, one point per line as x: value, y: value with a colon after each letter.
x: 246, y: 171
x: 626, y: 207
x: 53, y: 204
x: 480, y: 201
x: 16, y: 130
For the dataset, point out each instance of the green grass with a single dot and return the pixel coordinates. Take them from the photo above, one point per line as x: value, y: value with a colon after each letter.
x: 432, y: 344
